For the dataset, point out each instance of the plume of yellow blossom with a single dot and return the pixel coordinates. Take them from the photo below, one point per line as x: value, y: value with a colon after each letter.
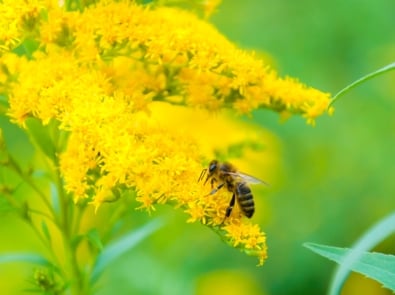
x: 107, y: 72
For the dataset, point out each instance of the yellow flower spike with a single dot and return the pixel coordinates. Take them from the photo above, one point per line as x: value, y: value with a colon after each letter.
x: 249, y: 238
x: 59, y: 27
x: 124, y: 80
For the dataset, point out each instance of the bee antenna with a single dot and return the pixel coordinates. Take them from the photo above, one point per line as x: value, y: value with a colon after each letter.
x: 202, y: 174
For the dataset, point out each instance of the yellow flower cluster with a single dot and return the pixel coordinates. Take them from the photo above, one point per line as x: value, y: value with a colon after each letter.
x: 192, y: 62
x: 18, y: 19
x: 113, y: 76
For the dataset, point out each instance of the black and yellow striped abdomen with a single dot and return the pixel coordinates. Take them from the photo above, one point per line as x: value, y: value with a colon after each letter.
x: 245, y: 199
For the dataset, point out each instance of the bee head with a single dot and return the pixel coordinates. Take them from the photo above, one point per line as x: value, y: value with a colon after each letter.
x: 212, y: 167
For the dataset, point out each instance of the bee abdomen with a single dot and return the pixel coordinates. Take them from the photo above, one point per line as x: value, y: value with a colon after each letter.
x: 245, y: 199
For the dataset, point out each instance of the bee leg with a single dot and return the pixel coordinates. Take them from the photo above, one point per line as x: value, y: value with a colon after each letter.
x: 216, y: 189
x: 230, y: 207
x: 213, y: 180
x: 202, y: 174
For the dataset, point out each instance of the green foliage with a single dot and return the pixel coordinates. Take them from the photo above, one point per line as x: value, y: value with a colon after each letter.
x: 378, y: 266
x: 45, y: 231
x: 50, y: 212
x: 55, y: 201
x: 376, y: 234
x: 94, y: 240
x: 374, y: 265
x: 24, y: 257
x: 124, y: 244
x: 41, y: 137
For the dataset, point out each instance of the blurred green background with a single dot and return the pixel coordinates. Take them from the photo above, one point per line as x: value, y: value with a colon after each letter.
x: 335, y: 179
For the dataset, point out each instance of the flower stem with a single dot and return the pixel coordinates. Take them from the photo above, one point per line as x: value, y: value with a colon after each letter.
x: 383, y: 70
x: 27, y: 179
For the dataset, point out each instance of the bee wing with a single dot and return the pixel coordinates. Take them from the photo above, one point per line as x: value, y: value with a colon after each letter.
x: 248, y: 178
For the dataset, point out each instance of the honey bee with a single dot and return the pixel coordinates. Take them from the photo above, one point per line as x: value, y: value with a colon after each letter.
x: 226, y: 175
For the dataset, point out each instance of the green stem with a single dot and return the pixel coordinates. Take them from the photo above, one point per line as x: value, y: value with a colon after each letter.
x: 47, y: 216
x: 48, y: 245
x: 68, y: 233
x: 69, y: 221
x: 383, y: 70
x: 27, y: 179
x: 80, y: 210
x: 44, y: 241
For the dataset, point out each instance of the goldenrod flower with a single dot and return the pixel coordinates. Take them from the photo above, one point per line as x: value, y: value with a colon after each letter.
x: 111, y: 72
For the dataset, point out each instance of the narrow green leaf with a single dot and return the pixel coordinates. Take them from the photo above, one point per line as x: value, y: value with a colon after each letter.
x: 94, y: 239
x: 377, y: 266
x: 25, y: 211
x: 377, y: 233
x: 45, y: 230
x: 77, y: 240
x: 41, y: 137
x: 24, y: 257
x: 361, y: 80
x: 54, y: 197
x: 121, y: 246
x: 27, y: 47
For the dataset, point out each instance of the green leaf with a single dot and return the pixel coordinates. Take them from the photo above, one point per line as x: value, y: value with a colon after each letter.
x: 41, y: 137
x: 378, y: 266
x: 377, y: 233
x: 24, y: 257
x: 45, y: 230
x: 55, y: 197
x: 77, y: 240
x: 27, y: 47
x: 121, y: 246
x: 94, y: 239
x: 17, y: 142
x: 25, y: 211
